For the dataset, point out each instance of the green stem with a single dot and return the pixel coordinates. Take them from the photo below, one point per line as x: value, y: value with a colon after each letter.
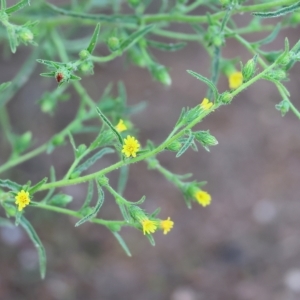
x: 116, y: 195
x: 3, y: 4
x: 76, y: 214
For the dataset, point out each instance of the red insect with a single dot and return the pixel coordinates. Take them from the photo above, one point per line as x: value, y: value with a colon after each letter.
x: 59, y: 77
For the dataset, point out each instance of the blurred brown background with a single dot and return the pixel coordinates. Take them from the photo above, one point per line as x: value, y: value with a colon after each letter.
x: 245, y: 245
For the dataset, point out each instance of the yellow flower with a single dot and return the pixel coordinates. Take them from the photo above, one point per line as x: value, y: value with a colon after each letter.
x: 166, y: 225
x: 121, y: 126
x: 148, y: 226
x: 235, y: 80
x: 206, y: 104
x: 131, y: 146
x: 202, y: 197
x: 22, y: 199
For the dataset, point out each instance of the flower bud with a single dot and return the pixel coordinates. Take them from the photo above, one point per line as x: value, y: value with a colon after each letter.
x: 87, y: 67
x: 225, y: 98
x: 160, y: 73
x: 84, y: 54
x: 249, y: 69
x: 283, y: 107
x: 278, y: 74
x: 174, y: 146
x: 137, y: 58
x: 133, y: 3
x: 25, y: 35
x: 113, y: 43
x: 206, y: 139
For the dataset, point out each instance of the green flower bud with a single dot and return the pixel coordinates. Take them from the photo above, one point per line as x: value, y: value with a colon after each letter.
x: 174, y: 146
x: 136, y: 213
x: 249, y: 69
x: 206, y: 139
x: 278, y: 74
x: 25, y: 35
x: 81, y: 149
x: 283, y: 107
x: 58, y: 140
x: 295, y: 18
x: 218, y: 40
x: 25, y: 138
x: 160, y: 73
x: 84, y: 54
x: 133, y: 3
x: 87, y: 67
x: 225, y: 98
x: 75, y: 175
x: 62, y: 75
x: 136, y: 57
x: 286, y: 59
x: 113, y: 43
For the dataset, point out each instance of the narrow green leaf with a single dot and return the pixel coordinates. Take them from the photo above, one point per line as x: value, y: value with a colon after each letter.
x: 37, y: 243
x: 155, y: 213
x: 271, y: 37
x: 117, y: 19
x: 89, y: 195
x: 89, y: 162
x: 13, y: 42
x: 13, y: 186
x: 279, y: 12
x: 96, y: 209
x: 121, y: 242
x: 133, y: 38
x: 94, y: 39
x: 72, y: 143
x: 151, y: 239
x: 123, y: 177
x: 17, y: 6
x: 36, y: 187
x: 141, y: 201
x: 182, y: 114
x: 124, y: 212
x: 166, y: 47
x: 207, y: 81
x: 49, y: 74
x: 50, y: 63
x: 186, y: 145
x: 112, y: 128
x: 4, y: 86
x: 74, y: 77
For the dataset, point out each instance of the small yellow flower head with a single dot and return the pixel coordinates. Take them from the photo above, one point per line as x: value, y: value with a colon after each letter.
x: 22, y: 199
x: 148, y: 226
x: 202, y: 197
x: 235, y: 80
x: 121, y: 126
x: 206, y: 104
x: 166, y: 225
x: 131, y: 146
